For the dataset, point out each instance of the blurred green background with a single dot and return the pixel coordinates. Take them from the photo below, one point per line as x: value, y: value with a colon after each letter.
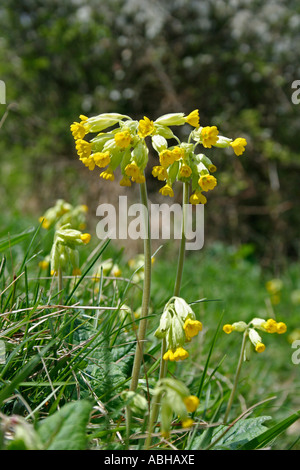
x: 234, y: 60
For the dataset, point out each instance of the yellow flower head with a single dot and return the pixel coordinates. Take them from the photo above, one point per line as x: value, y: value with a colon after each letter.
x: 85, y: 237
x: 192, y: 328
x: 207, y: 182
x: 166, y: 158
x: 45, y: 223
x: 167, y: 191
x: 160, y: 173
x: 139, y: 178
x: 169, y: 356
x: 132, y: 170
x: 260, y: 347
x: 101, y: 159
x: 107, y: 174
x: 239, y: 145
x: 281, y: 328
x: 178, y: 153
x: 185, y: 171
x: 44, y: 264
x: 193, y: 118
x: 187, y: 423
x: 123, y: 139
x: 180, y: 354
x: 83, y: 148
x: 125, y: 181
x: 78, y: 130
x: 270, y: 326
x: 198, y: 198
x: 191, y: 402
x: 228, y: 329
x: 209, y: 135
x: 89, y: 162
x: 146, y: 127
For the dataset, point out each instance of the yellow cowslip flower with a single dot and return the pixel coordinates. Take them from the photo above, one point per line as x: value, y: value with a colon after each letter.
x: 139, y: 178
x: 85, y: 237
x: 281, y: 328
x: 166, y: 158
x: 78, y: 130
x: 207, y: 182
x: 169, y: 356
x: 132, y: 170
x: 192, y: 328
x: 44, y: 264
x: 193, y: 118
x: 228, y: 329
x: 45, y: 223
x: 238, y: 145
x: 260, y: 347
x: 125, y: 181
x: 180, y: 354
x: 89, y: 162
x: 209, y: 135
x: 185, y: 171
x: 270, y: 326
x: 123, y: 139
x: 160, y: 173
x: 83, y: 148
x: 146, y: 127
x: 198, y: 198
x: 107, y: 174
x: 167, y: 190
x: 101, y: 159
x: 116, y: 271
x: 178, y: 153
x: 212, y: 168
x: 191, y: 402
x: 187, y: 423
x: 274, y: 286
x: 76, y: 272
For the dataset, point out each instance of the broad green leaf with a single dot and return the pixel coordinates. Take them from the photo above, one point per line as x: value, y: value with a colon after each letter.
x: 66, y: 428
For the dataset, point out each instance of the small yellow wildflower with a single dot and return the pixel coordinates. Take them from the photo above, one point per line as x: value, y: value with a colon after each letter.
x: 270, y: 326
x: 160, y: 173
x: 169, y: 356
x: 85, y: 237
x: 146, y: 127
x: 207, y: 182
x: 78, y: 130
x: 44, y: 264
x: 101, y: 159
x: 166, y: 158
x: 187, y: 423
x: 132, y: 170
x: 281, y: 328
x: 198, y: 198
x: 45, y: 223
x: 83, y: 148
x: 139, y: 178
x: 228, y: 329
x: 107, y: 174
x: 123, y: 139
x: 193, y: 118
x: 239, y: 145
x: 260, y: 347
x: 192, y: 328
x: 180, y: 354
x: 167, y: 191
x: 209, y: 136
x: 89, y: 162
x: 125, y: 181
x: 191, y: 402
x: 185, y: 171
x: 178, y: 153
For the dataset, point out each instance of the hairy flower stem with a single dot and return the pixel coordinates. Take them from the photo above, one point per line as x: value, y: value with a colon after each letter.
x: 164, y: 364
x: 145, y: 301
x: 237, y: 375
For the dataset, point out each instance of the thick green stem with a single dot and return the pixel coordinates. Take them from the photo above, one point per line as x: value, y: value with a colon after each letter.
x: 237, y: 375
x: 145, y: 302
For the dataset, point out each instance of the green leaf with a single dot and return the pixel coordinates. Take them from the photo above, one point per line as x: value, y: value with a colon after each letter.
x: 14, y: 239
x: 240, y: 434
x: 268, y: 436
x: 66, y: 428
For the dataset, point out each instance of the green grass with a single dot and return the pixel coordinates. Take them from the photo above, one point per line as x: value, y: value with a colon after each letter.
x: 71, y: 363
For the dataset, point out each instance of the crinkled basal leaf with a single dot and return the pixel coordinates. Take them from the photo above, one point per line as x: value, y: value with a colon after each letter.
x: 240, y: 433
x: 66, y: 428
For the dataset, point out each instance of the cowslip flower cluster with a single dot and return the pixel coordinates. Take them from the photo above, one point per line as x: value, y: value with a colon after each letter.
x: 124, y: 146
x: 175, y: 399
x: 63, y: 213
x: 268, y: 326
x: 182, y: 163
x: 64, y: 251
x: 178, y: 325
